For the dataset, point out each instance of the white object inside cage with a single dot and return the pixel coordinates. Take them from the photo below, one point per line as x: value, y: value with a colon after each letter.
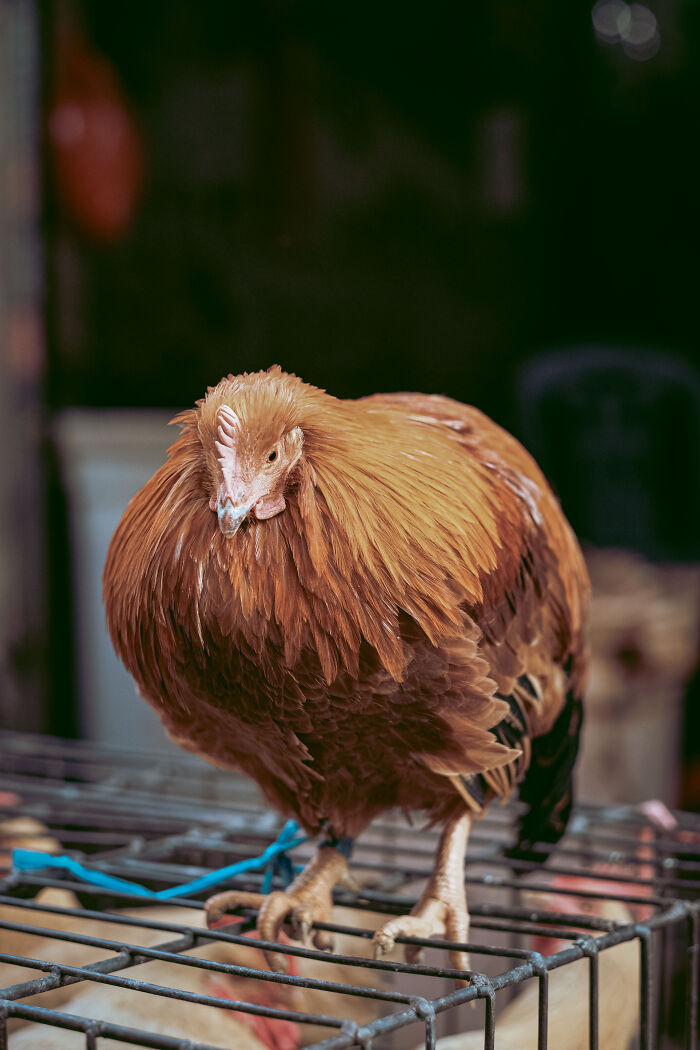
x: 106, y: 456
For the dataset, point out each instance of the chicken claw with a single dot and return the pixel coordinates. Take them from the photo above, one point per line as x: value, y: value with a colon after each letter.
x: 306, y: 901
x: 430, y: 918
x: 442, y: 908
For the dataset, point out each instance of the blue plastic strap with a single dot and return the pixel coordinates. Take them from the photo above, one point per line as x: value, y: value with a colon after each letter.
x: 273, y: 858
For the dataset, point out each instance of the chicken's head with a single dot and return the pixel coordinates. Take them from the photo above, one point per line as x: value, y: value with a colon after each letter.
x: 253, y: 456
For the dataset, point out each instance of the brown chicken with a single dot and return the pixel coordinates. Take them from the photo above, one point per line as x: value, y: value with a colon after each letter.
x: 361, y: 604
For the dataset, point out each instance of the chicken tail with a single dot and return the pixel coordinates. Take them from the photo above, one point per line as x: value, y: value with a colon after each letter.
x: 547, y: 788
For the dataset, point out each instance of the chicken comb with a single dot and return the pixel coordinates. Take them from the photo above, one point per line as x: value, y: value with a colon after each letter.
x: 229, y: 428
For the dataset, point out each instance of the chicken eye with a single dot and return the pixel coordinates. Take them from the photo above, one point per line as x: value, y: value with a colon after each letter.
x: 273, y: 456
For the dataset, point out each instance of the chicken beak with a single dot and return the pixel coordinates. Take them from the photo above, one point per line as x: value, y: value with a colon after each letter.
x: 230, y: 517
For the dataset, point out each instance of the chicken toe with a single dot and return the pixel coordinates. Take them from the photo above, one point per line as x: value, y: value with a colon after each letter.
x: 429, y: 918
x: 442, y: 908
x: 306, y: 901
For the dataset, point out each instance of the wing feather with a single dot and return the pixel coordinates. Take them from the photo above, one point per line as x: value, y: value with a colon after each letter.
x: 529, y: 622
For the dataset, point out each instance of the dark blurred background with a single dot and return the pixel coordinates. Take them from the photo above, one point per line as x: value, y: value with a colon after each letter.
x: 497, y: 201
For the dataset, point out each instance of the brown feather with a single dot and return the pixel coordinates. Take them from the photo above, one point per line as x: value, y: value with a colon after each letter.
x: 347, y: 653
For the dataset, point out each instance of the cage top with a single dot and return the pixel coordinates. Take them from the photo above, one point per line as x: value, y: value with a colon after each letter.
x: 163, y: 821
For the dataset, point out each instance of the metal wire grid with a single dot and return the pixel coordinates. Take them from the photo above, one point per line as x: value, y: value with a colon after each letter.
x: 164, y: 822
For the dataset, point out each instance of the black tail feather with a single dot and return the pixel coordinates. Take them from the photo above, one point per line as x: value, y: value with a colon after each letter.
x: 547, y: 788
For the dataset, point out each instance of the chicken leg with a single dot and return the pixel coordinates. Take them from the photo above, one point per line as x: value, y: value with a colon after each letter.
x: 308, y: 899
x: 442, y: 908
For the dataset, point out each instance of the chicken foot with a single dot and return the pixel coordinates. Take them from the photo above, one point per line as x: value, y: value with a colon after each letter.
x: 442, y: 908
x: 308, y: 899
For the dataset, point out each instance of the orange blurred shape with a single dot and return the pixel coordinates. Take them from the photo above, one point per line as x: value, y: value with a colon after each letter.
x: 275, y: 1033
x: 571, y: 904
x: 96, y: 149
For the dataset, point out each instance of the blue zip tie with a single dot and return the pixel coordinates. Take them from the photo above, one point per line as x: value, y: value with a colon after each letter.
x: 273, y: 859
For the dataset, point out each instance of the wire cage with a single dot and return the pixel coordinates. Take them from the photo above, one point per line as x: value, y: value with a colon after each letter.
x: 598, y: 948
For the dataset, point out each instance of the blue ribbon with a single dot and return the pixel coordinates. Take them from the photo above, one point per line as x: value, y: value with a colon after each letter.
x: 273, y: 860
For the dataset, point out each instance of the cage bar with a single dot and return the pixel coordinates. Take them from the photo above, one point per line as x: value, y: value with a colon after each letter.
x: 165, y: 822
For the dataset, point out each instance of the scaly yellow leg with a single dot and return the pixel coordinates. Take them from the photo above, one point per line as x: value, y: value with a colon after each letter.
x: 442, y: 908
